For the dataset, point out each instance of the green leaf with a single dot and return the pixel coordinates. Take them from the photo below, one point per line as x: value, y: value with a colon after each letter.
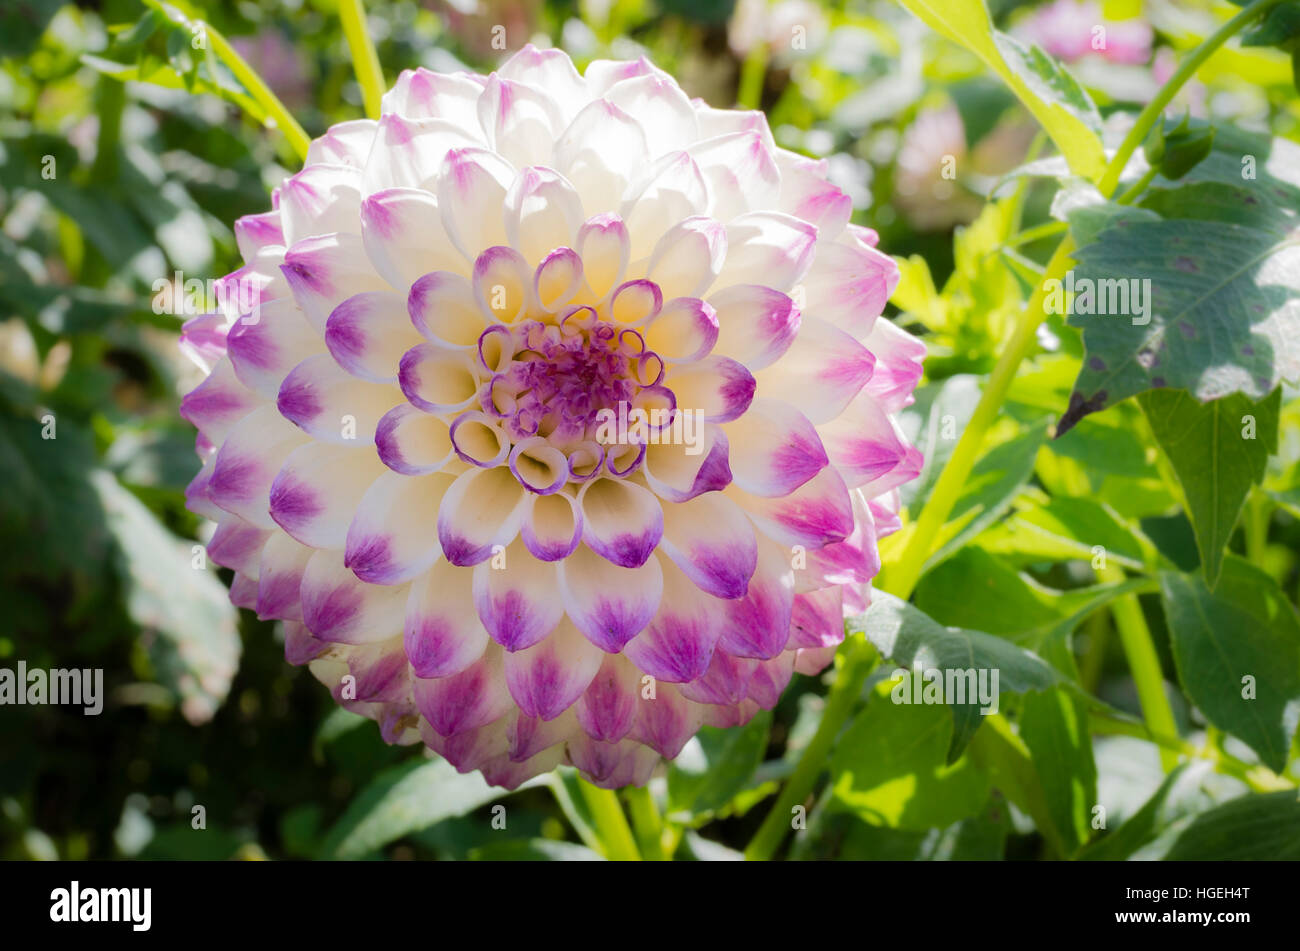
x: 190, y: 624
x: 906, y: 636
x: 891, y: 767
x: 1045, y: 87
x: 990, y: 489
x: 1054, y: 725
x: 1064, y: 529
x: 403, y: 800
x: 1251, y: 828
x: 1219, y: 312
x: 715, y: 766
x: 974, y: 589
x: 1245, y: 628
x: 534, y: 850
x: 1142, y: 827
x: 933, y: 423
x: 1219, y: 451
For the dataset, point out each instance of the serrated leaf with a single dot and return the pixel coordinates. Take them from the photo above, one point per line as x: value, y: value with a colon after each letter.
x: 1244, y: 628
x: 906, y: 636
x: 1260, y: 827
x: 1216, y: 461
x: 403, y: 800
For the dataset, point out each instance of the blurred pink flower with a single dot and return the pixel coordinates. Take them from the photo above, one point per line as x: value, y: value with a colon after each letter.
x: 1073, y: 29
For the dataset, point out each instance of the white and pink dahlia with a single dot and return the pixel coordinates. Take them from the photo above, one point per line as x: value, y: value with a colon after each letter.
x: 406, y: 442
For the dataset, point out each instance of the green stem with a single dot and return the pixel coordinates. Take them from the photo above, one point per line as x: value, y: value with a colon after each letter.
x: 1259, y: 778
x: 1046, y: 230
x: 260, y: 91
x: 753, y: 72
x: 1139, y: 186
x: 611, y: 825
x: 1144, y: 664
x: 1186, y: 70
x: 857, y: 658
x: 365, y: 60
x: 646, y: 823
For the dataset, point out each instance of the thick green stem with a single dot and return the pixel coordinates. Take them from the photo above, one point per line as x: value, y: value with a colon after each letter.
x: 753, y: 73
x: 646, y: 823
x: 1143, y: 663
x: 903, y: 576
x: 260, y: 91
x: 856, y: 660
x: 365, y: 60
x: 1186, y: 70
x: 611, y: 825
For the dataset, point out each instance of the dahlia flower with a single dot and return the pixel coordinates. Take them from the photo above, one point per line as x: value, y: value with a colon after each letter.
x: 409, y: 443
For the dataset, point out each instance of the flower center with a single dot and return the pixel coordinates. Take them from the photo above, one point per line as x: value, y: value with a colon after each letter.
x: 572, y: 395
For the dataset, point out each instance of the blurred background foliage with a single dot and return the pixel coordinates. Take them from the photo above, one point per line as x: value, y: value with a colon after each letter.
x: 113, y: 177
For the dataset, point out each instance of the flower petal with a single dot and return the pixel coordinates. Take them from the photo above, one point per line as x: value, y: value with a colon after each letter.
x: 677, y: 644
x: 248, y: 462
x: 712, y: 541
x: 315, y: 495
x: 331, y: 405
x: 768, y: 248
x: 472, y: 698
x: 822, y: 371
x: 404, y: 238
x: 758, y: 625
x: 266, y: 344
x: 326, y: 270
x: 549, y: 677
x: 756, y: 324
x: 413, y: 442
x: 481, y: 510
x: 471, y: 198
x: 393, y: 535
x: 607, y: 709
x: 442, y: 632
x: 542, y: 212
x: 679, y: 471
x: 817, y: 513
x: 717, y: 387
x: 774, y: 449
x: 688, y: 257
x: 443, y: 307
x: 337, y: 607
x: 368, y: 333
x: 552, y: 525
x: 621, y: 521
x: 609, y: 604
x: 516, y: 598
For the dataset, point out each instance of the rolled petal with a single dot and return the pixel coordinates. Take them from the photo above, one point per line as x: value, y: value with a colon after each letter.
x: 368, y: 333
x: 717, y: 387
x: 607, y: 709
x: 331, y: 405
x: 824, y: 369
x: 548, y: 678
x: 684, y: 331
x: 315, y: 494
x: 413, y: 442
x: 552, y: 526
x: 769, y: 248
x: 502, y: 286
x: 758, y: 625
x: 465, y: 701
x: 404, y: 238
x: 609, y: 604
x: 605, y: 248
x: 442, y: 631
x: 443, y: 307
x: 756, y: 325
x: 438, y: 380
x: 621, y: 521
x: 712, y: 541
x: 482, y: 509
x: 688, y: 257
x: 471, y: 198
x: 326, y: 270
x: 393, y: 536
x: 337, y: 607
x: 517, y: 598
x: 269, y: 342
x: 774, y: 449
x: 678, y: 643
x: 679, y: 471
